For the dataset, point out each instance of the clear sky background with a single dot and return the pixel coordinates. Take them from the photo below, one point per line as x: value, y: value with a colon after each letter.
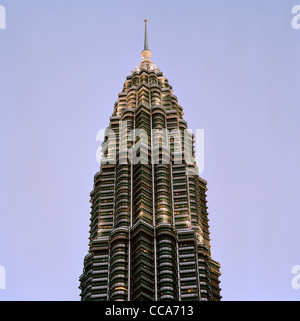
x: 234, y: 66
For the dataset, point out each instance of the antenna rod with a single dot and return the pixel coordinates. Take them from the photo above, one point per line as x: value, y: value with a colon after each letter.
x: 146, y: 36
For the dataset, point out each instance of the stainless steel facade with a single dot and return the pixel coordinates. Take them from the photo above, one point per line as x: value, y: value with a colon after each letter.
x: 149, y: 232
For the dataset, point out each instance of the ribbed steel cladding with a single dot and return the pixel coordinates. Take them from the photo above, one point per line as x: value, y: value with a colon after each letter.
x: 142, y: 266
x: 118, y: 269
x: 167, y: 268
x: 122, y: 200
x: 106, y: 205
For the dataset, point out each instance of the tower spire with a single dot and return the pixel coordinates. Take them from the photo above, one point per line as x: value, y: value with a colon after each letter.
x: 146, y: 36
x: 146, y: 53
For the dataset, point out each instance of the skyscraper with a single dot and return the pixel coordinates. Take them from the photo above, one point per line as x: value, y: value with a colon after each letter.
x: 149, y: 232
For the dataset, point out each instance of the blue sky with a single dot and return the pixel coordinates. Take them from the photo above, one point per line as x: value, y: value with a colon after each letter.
x: 234, y: 66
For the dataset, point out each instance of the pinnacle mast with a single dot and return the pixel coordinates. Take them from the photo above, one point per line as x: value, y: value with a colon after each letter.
x: 146, y: 53
x: 146, y: 36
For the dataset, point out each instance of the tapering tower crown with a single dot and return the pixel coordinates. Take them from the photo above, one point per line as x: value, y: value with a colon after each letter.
x: 149, y: 233
x: 146, y: 53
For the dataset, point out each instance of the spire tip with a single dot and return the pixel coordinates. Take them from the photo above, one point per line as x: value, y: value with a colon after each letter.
x: 146, y: 53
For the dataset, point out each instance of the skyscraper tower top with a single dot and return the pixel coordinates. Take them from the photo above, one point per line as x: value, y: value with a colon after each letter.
x: 149, y: 231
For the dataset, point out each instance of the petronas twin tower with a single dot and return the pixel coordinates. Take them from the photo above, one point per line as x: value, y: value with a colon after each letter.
x: 149, y: 232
